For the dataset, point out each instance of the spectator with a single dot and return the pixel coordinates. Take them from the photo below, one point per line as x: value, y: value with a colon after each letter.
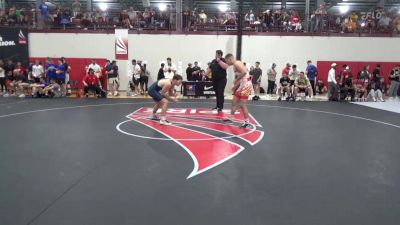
x: 61, y: 76
x: 267, y: 20
x: 347, y: 86
x: 189, y: 75
x: 360, y: 89
x: 144, y: 79
x: 365, y: 74
x: 384, y: 22
x: 112, y: 78
x: 321, y: 88
x: 312, y: 73
x: 196, y: 72
x: 396, y: 24
x: 135, y: 70
x: 21, y: 82
x: 9, y: 70
x: 286, y: 70
x: 320, y: 14
x: 37, y: 71
x: 125, y: 19
x: 169, y: 69
x: 160, y: 74
x: 44, y: 16
x: 50, y: 70
x: 340, y: 76
x: 67, y: 68
x: 271, y: 74
x: 332, y: 95
x: 284, y: 86
x: 257, y: 74
x: 394, y: 78
x: 376, y: 74
x: 249, y: 17
x: 3, y: 88
x: 295, y: 22
x: 376, y: 93
x: 53, y: 90
x: 38, y: 88
x: 302, y: 85
x: 76, y: 8
x: 203, y: 17
x: 293, y: 75
x: 2, y: 78
x: 95, y: 67
x: 91, y: 83
x: 60, y: 71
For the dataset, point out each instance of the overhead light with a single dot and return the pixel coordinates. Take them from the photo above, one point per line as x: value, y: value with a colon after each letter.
x: 344, y: 9
x: 103, y: 6
x: 223, y: 8
x: 362, y: 24
x: 162, y: 7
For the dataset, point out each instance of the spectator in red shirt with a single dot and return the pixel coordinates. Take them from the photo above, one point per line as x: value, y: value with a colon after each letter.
x: 287, y: 69
x: 360, y: 89
x: 295, y: 22
x: 92, y: 83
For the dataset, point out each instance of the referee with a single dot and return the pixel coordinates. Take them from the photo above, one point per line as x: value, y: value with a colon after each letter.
x: 218, y: 73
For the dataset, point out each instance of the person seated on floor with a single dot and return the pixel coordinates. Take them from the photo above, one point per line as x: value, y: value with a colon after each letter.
x: 92, y: 83
x: 38, y: 88
x: 284, y: 86
x: 21, y: 83
x: 377, y: 91
x: 347, y: 86
x: 360, y: 89
x: 53, y: 90
x: 302, y: 85
x: 321, y: 88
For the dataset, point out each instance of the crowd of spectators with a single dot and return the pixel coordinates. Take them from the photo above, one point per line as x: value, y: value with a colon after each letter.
x: 51, y: 79
x: 35, y: 80
x: 48, y: 15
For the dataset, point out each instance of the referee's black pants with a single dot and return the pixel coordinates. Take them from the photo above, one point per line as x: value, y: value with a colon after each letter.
x: 219, y: 88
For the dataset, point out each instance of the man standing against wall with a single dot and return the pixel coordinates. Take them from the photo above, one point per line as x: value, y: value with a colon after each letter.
x: 257, y: 74
x: 312, y: 73
x: 196, y: 72
x: 112, y: 78
x: 332, y: 94
x: 95, y: 67
x: 218, y: 69
x: 169, y: 69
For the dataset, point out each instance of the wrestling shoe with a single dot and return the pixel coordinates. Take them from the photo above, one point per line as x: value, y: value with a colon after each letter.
x: 165, y: 122
x: 246, y: 125
x: 154, y: 117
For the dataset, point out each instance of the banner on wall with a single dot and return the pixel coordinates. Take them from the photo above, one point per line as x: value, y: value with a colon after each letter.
x: 14, y: 44
x: 121, y: 44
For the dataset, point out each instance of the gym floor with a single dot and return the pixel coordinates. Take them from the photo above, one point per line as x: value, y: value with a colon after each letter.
x: 83, y: 162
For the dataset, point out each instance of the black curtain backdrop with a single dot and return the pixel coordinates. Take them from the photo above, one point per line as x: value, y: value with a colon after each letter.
x: 14, y: 44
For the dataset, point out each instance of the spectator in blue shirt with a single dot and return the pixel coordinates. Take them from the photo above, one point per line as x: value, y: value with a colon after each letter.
x: 60, y: 72
x: 51, y: 70
x: 61, y: 76
x: 312, y: 73
x: 44, y: 9
x: 44, y: 16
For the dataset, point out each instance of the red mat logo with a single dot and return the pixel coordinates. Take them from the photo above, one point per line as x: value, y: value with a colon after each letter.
x: 189, y: 131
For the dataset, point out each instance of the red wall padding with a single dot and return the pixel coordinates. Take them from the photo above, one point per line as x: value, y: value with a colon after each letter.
x: 78, y: 70
x: 356, y: 67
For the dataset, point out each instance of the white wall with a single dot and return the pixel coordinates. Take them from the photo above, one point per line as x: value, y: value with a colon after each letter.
x: 189, y: 48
